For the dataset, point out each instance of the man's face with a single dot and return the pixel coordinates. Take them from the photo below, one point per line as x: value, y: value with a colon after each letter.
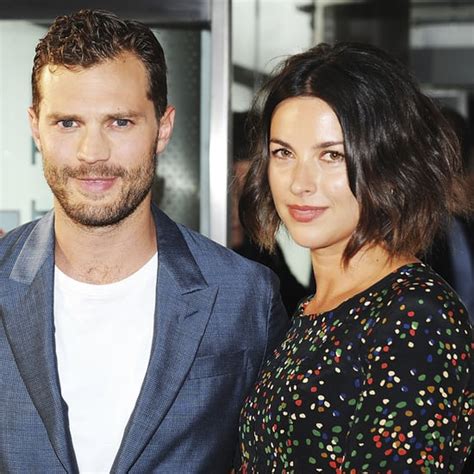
x: 98, y: 135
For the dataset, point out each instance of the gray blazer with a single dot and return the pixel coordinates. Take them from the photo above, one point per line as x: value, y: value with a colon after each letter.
x: 217, y: 317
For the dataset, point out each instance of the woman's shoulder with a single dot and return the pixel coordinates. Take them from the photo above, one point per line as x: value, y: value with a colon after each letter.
x: 416, y: 275
x: 418, y: 284
x: 417, y: 297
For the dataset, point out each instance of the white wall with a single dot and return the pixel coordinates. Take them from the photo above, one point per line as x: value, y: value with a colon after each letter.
x: 21, y: 182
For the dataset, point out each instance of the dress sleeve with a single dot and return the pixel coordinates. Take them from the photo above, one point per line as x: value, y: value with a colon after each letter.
x: 413, y: 412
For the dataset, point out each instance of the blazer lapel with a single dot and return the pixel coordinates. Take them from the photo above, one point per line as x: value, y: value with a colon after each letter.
x: 27, y: 309
x: 184, y: 303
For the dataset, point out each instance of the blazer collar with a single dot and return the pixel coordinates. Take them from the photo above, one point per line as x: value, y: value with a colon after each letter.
x: 184, y: 303
x: 27, y: 307
x: 174, y: 251
x: 38, y: 247
x: 175, y: 255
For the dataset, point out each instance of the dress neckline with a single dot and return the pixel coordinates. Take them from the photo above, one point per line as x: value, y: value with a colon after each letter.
x: 398, y: 271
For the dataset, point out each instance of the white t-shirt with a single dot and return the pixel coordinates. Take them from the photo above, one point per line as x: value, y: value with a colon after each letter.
x: 103, y: 341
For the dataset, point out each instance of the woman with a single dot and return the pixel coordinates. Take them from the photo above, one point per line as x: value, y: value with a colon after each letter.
x: 375, y: 373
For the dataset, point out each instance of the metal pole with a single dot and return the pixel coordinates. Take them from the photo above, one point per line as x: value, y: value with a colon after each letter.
x: 219, y: 121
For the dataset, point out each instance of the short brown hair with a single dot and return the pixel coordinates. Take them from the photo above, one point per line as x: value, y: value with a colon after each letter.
x: 402, y: 156
x: 89, y: 37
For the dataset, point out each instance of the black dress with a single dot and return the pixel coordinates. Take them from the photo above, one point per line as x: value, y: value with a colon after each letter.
x: 380, y: 384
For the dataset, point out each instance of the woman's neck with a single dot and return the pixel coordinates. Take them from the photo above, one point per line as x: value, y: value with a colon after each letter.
x: 336, y: 283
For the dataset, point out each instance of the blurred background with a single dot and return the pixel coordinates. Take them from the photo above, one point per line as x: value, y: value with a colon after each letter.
x: 218, y: 54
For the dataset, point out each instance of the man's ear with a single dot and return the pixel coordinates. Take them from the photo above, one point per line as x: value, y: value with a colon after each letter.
x: 33, y: 118
x: 166, y: 129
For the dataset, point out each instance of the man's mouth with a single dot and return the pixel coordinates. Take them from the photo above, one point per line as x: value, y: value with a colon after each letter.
x: 96, y: 183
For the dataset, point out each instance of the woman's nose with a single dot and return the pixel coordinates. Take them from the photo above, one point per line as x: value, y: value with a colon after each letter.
x: 304, y: 178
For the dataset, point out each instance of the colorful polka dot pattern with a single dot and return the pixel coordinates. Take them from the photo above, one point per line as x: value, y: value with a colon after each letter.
x: 380, y: 384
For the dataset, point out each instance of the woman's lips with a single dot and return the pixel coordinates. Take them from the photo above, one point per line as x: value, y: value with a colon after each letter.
x: 96, y: 184
x: 306, y: 213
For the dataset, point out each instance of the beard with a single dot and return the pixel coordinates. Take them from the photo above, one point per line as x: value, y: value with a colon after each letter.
x: 136, y: 184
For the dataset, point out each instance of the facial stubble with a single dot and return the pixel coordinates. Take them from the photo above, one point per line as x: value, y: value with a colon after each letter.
x: 136, y: 184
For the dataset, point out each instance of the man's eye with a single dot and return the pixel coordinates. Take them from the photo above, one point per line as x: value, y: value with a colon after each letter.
x: 122, y: 122
x: 66, y: 123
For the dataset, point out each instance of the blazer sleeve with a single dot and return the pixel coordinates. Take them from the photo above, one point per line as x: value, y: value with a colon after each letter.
x: 277, y: 319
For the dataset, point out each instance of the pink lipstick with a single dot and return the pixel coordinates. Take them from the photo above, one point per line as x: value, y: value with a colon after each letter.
x: 305, y: 213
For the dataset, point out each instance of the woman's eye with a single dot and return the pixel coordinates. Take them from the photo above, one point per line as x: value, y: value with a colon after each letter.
x: 280, y: 153
x: 334, y: 156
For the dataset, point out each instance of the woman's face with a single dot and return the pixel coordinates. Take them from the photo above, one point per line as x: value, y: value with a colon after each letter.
x: 308, y: 176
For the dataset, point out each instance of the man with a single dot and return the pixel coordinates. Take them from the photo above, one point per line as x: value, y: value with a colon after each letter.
x: 128, y: 342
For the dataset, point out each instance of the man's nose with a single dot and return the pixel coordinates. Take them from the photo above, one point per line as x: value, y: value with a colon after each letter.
x: 93, y: 146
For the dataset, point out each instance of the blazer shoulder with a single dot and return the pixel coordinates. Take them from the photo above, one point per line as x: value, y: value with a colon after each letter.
x: 12, y: 243
x: 219, y: 260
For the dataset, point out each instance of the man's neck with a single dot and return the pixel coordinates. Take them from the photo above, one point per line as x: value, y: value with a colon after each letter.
x: 100, y: 255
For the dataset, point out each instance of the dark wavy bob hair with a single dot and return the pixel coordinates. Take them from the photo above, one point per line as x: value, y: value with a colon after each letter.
x: 403, y: 159
x: 89, y: 37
